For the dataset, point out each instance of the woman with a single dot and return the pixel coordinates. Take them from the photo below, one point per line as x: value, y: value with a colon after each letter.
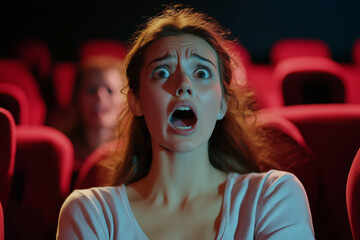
x: 98, y: 101
x: 189, y: 171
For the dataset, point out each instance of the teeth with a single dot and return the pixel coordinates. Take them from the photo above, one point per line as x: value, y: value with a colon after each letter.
x: 183, y: 127
x: 183, y: 108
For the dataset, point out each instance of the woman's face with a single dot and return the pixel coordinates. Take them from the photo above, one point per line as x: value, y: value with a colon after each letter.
x: 180, y: 92
x: 100, y: 98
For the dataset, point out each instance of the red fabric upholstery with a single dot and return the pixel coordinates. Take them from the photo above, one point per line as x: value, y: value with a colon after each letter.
x: 356, y: 52
x: 259, y: 77
x: 36, y: 55
x: 7, y: 156
x: 14, y: 99
x: 298, y: 47
x: 92, y: 173
x: 103, y: 47
x: 353, y: 196
x: 14, y: 72
x: 43, y: 169
x: 1, y: 222
x: 353, y: 83
x: 283, y: 125
x: 297, y: 159
x: 64, y: 75
x: 306, y: 80
x: 332, y: 132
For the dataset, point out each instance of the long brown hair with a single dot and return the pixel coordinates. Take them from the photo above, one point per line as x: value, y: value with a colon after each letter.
x: 234, y: 143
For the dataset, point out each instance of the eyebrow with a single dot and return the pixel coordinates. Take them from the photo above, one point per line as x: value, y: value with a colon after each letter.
x: 166, y: 56
x: 202, y: 58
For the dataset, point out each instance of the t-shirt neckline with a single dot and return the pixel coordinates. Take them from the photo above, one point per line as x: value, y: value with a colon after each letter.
x: 224, y: 213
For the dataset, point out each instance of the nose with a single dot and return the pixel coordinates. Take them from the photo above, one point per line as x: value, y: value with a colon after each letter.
x: 102, y: 93
x: 183, y: 90
x: 185, y: 86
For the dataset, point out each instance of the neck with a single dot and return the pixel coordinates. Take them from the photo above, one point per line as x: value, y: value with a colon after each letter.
x: 176, y: 178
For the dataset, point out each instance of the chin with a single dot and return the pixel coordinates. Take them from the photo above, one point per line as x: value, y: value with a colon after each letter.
x: 184, y: 146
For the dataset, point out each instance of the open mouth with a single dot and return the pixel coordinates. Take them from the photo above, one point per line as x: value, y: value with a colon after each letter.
x: 183, y: 118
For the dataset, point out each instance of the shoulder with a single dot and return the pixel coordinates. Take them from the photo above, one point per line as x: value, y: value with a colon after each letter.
x: 274, y: 201
x: 90, y: 213
x: 265, y: 181
x: 264, y: 191
x: 93, y: 200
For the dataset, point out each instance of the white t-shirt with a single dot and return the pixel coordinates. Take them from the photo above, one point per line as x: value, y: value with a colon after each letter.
x: 270, y: 205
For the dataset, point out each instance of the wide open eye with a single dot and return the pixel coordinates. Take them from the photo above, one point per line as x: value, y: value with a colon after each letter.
x: 160, y: 72
x: 203, y: 72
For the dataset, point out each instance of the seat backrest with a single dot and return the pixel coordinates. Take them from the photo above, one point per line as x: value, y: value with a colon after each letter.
x: 106, y: 47
x: 14, y: 72
x: 296, y: 156
x: 309, y: 80
x: 298, y: 47
x: 259, y: 78
x: 36, y: 55
x: 95, y: 171
x: 63, y: 77
x: 356, y: 52
x: 1, y: 222
x: 353, y: 196
x: 14, y: 100
x: 332, y: 132
x: 42, y: 178
x: 7, y: 156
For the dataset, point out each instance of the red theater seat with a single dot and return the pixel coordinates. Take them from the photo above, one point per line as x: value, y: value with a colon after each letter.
x: 282, y: 125
x: 64, y: 75
x: 308, y: 80
x: 297, y: 158
x: 298, y: 47
x: 353, y: 196
x: 14, y: 99
x: 356, y: 52
x: 43, y: 169
x: 92, y: 172
x: 332, y: 132
x: 7, y: 156
x: 1, y: 222
x: 259, y: 77
x: 352, y: 82
x: 102, y: 47
x: 14, y: 72
x: 36, y: 55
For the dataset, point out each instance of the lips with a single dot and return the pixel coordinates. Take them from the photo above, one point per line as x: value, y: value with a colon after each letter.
x: 183, y: 117
x: 100, y: 110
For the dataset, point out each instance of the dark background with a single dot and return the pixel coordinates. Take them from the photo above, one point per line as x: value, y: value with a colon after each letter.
x: 257, y: 23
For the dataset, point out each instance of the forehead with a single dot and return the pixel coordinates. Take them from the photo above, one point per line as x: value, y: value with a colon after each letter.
x: 185, y: 45
x: 108, y: 76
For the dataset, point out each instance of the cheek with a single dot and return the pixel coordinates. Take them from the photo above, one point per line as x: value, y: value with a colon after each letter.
x: 154, y: 104
x: 211, y: 99
x: 118, y: 101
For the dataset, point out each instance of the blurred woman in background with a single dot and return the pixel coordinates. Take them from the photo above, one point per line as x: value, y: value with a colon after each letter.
x: 98, y: 101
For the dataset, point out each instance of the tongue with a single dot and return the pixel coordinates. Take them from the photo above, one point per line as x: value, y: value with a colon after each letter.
x: 177, y: 122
